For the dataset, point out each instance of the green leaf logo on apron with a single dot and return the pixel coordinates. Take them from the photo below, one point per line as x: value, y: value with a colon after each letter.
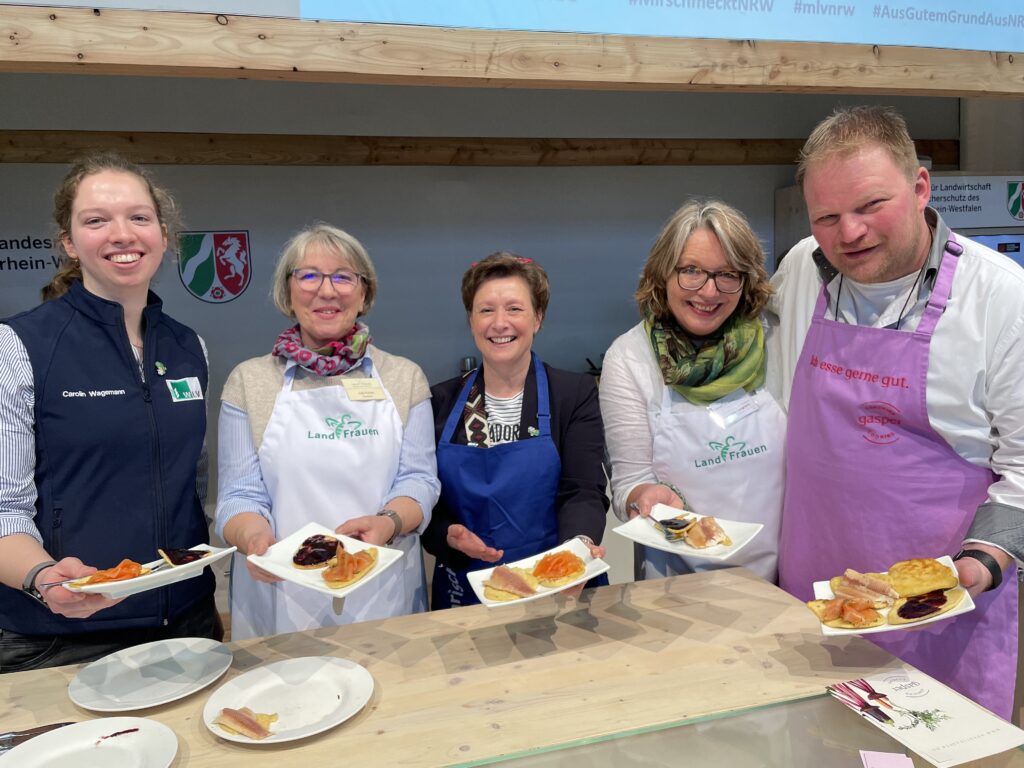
x: 730, y: 444
x: 342, y: 428
x: 729, y: 449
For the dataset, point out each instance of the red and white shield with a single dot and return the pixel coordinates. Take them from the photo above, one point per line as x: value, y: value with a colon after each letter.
x: 231, y: 256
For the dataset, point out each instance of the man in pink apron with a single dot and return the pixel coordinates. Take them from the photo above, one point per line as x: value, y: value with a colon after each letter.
x: 899, y: 348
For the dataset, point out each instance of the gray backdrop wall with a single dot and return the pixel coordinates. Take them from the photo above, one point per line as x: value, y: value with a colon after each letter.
x: 589, y: 227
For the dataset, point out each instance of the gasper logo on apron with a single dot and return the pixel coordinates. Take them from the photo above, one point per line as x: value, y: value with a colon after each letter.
x: 880, y: 420
x: 342, y: 428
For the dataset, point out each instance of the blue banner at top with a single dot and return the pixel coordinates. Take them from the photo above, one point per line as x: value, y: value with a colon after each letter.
x: 980, y: 25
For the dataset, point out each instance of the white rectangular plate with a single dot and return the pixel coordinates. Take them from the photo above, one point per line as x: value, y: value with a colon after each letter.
x: 595, y: 567
x: 642, y: 531
x: 166, y: 575
x: 822, y: 591
x: 278, y: 560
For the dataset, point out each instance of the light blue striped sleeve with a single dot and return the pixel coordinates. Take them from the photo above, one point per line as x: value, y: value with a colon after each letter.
x: 417, y: 464
x: 17, y: 438
x: 240, y: 485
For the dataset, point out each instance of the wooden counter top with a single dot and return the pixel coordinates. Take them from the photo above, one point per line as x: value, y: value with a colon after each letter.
x: 469, y: 684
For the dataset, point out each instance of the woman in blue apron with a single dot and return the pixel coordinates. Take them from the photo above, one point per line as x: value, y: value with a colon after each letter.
x: 520, y: 445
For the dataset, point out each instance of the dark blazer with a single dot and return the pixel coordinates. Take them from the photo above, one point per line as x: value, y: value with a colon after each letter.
x: 578, y: 434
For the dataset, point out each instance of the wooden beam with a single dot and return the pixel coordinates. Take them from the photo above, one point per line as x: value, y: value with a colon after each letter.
x: 271, y: 149
x: 130, y: 42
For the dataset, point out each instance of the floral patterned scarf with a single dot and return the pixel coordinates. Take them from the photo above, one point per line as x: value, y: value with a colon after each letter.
x: 734, y: 359
x: 337, y: 357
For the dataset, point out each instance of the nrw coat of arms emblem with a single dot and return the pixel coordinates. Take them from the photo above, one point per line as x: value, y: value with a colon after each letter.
x: 1015, y: 199
x: 214, y: 266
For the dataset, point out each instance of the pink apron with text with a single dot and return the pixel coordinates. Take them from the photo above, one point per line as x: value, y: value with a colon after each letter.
x: 869, y: 483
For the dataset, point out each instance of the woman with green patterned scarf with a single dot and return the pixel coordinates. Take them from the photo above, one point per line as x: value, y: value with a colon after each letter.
x: 688, y: 422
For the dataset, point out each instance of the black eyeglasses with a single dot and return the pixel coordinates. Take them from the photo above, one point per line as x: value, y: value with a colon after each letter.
x: 344, y: 280
x: 693, y: 279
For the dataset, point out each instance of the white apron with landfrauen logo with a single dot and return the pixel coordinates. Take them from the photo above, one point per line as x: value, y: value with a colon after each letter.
x: 728, y: 459
x: 326, y: 459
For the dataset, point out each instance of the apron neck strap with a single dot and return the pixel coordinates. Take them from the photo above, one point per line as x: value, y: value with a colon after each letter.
x: 543, y: 397
x: 822, y: 303
x: 943, y: 286
x: 456, y: 414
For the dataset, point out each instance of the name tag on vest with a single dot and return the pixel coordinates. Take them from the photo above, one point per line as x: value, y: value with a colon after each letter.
x: 186, y: 389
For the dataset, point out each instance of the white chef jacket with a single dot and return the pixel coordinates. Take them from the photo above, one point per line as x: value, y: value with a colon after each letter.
x: 975, y: 382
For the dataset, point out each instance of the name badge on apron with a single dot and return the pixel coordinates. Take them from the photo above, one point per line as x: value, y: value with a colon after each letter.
x: 363, y: 389
x: 731, y: 408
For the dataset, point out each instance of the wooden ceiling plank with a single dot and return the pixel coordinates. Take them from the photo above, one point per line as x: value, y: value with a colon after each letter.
x: 131, y: 42
x: 164, y: 148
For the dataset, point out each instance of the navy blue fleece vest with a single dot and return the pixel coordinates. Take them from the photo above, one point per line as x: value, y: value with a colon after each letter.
x: 115, y: 456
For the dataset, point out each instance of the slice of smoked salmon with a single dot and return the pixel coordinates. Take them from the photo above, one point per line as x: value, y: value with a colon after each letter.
x: 558, y: 565
x: 859, y: 612
x: 126, y: 569
x: 348, y: 565
x: 833, y: 609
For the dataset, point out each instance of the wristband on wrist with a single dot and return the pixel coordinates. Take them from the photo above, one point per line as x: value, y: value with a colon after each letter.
x: 677, y: 492
x: 29, y: 585
x: 986, y: 560
x: 396, y: 519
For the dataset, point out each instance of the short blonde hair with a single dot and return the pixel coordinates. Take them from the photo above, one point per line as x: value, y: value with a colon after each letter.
x: 742, y: 250
x: 330, y: 239
x: 848, y: 130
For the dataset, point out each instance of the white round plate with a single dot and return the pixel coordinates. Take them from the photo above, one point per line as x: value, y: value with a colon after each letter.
x: 124, y: 742
x: 309, y: 696
x: 150, y: 674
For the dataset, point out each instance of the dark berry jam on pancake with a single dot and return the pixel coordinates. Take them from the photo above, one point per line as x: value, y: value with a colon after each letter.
x: 182, y: 556
x: 316, y: 551
x: 922, y: 606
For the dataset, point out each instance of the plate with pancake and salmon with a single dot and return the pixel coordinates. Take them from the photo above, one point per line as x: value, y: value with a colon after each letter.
x: 129, y: 577
x: 531, y: 578
x: 318, y: 558
x: 687, y: 533
x: 911, y: 593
